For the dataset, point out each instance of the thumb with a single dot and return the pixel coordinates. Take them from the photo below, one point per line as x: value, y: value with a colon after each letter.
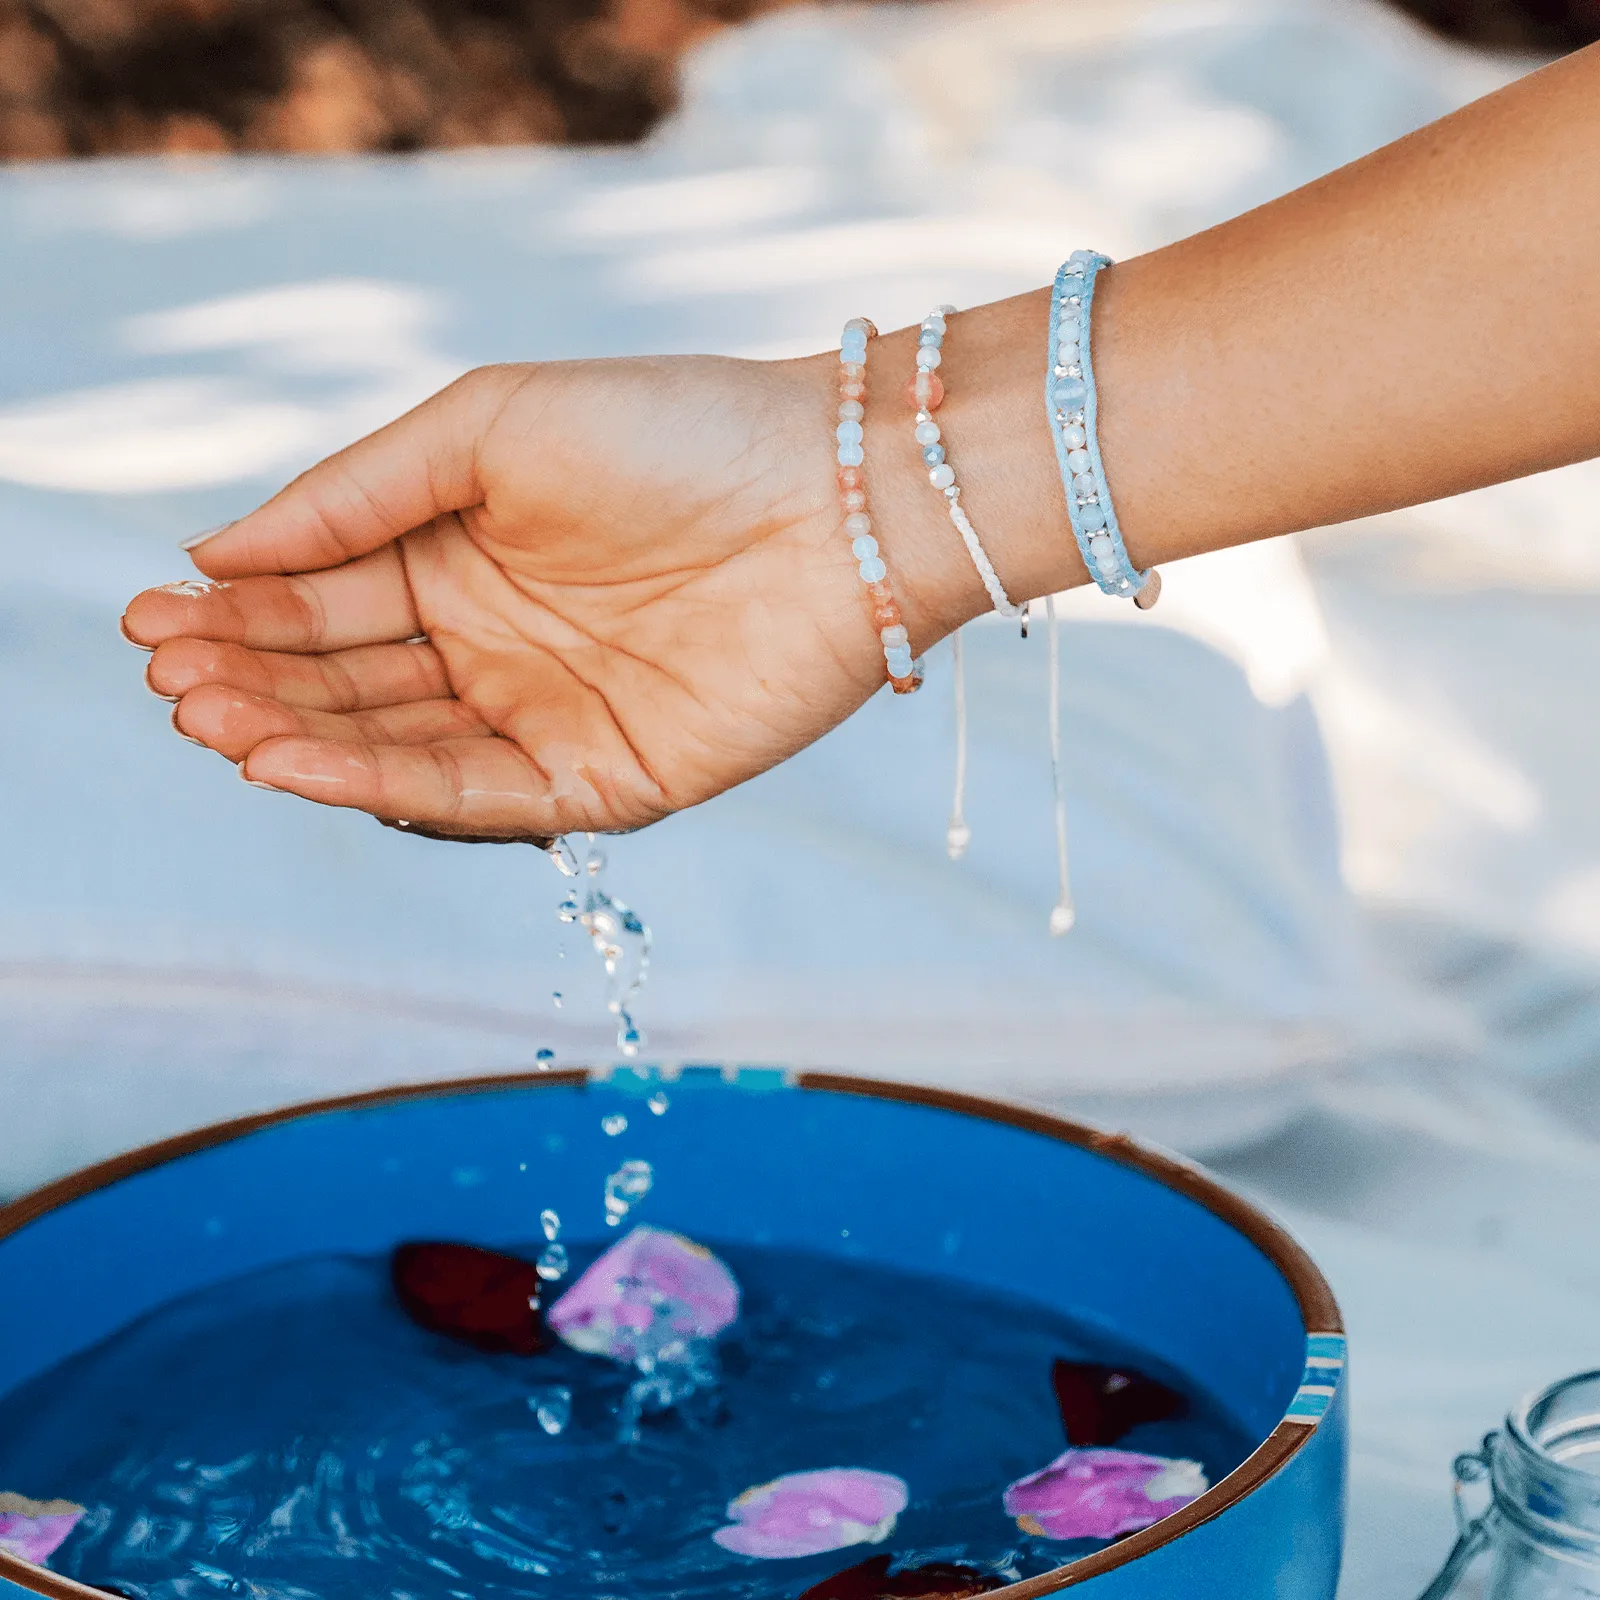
x: 419, y: 467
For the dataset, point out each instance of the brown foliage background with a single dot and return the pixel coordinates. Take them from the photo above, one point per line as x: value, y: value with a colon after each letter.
x: 97, y: 77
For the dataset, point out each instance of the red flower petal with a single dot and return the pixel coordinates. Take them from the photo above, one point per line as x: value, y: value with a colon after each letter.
x: 1100, y: 1404
x: 872, y: 1580
x: 484, y: 1299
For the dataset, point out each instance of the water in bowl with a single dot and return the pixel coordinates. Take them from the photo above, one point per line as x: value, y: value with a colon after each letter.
x: 290, y: 1434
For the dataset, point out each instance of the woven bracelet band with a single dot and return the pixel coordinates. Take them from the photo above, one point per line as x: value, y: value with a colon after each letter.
x: 1070, y: 400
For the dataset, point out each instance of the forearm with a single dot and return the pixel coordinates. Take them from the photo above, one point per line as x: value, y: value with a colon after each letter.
x: 1419, y: 323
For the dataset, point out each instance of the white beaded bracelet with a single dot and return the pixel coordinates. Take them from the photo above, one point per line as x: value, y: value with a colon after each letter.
x: 927, y: 397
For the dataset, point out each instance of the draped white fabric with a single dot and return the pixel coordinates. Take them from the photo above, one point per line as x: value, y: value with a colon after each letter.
x: 1377, y: 989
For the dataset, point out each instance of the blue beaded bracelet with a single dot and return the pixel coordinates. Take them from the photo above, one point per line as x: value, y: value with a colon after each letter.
x: 1070, y: 401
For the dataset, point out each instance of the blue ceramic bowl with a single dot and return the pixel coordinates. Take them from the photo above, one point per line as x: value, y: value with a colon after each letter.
x: 1146, y: 1246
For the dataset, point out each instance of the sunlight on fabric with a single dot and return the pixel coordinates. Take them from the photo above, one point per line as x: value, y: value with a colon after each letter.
x: 186, y: 432
x: 691, y: 205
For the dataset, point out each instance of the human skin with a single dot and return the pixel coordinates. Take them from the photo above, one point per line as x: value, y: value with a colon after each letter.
x: 628, y: 577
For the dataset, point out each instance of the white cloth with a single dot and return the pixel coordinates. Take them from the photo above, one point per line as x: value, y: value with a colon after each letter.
x: 174, y: 340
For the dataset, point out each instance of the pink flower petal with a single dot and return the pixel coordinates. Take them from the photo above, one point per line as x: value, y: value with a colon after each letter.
x: 807, y: 1513
x: 648, y: 1270
x: 1101, y: 1494
x: 35, y: 1529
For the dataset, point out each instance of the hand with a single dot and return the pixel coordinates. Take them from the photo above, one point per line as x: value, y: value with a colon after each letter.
x: 552, y: 598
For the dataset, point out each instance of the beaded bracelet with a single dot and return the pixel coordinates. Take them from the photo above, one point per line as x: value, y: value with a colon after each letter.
x: 905, y: 675
x: 1071, y: 401
x: 941, y: 474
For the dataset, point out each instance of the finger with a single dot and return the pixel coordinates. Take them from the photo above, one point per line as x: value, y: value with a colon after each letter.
x: 233, y: 723
x: 401, y: 477
x: 484, y: 785
x: 344, y: 680
x: 365, y: 602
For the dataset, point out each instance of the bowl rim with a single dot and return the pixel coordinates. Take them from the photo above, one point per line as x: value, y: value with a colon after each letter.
x: 1314, y: 1298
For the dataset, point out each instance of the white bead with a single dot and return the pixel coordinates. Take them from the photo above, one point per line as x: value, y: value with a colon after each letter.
x: 857, y: 525
x: 863, y: 547
x: 927, y: 360
x: 858, y: 325
x: 952, y: 492
x: 894, y: 635
x: 848, y: 433
x: 931, y: 338
x: 1068, y: 351
x: 942, y: 476
x: 1085, y: 485
x: 1079, y: 460
x: 872, y: 570
x: 927, y: 433
x: 944, y: 311
x: 851, y: 455
x: 1100, y: 546
x: 851, y: 411
x: 1074, y: 437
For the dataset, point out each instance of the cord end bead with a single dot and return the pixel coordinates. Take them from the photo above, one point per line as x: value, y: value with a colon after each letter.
x: 1150, y: 593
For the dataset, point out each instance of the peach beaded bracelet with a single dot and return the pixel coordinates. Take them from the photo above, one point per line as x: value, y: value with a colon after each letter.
x: 905, y: 674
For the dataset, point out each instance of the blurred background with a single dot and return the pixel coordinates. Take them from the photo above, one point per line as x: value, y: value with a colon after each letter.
x: 1336, y: 851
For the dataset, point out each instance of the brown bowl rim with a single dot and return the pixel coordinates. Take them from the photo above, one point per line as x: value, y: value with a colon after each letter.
x: 1318, y: 1308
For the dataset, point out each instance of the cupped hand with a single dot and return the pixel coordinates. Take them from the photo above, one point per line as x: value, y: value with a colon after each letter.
x: 553, y: 598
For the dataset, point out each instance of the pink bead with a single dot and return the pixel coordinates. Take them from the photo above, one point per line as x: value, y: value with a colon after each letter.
x: 852, y: 391
x: 852, y: 371
x: 881, y: 594
x: 925, y: 391
x: 849, y: 478
x: 855, y: 500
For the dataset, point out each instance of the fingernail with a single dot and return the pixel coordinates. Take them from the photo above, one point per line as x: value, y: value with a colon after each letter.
x: 122, y: 628
x: 256, y: 783
x: 171, y: 699
x: 181, y: 734
x: 200, y: 538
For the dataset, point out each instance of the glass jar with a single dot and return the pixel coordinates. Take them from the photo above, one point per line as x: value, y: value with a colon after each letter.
x: 1541, y: 1526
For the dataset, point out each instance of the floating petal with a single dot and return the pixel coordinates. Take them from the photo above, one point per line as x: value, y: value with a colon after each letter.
x: 1102, y: 1494
x: 649, y: 1274
x: 1100, y: 1404
x: 484, y: 1299
x: 872, y: 1580
x: 35, y: 1529
x: 809, y: 1513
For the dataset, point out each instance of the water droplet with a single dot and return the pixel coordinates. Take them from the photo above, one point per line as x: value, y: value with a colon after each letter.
x: 550, y: 1222
x: 626, y: 1187
x: 566, y: 862
x: 614, y: 1124
x: 956, y: 839
x: 595, y: 863
x: 658, y: 1103
x: 552, y: 1262
x: 1061, y: 920
x: 568, y: 909
x: 553, y: 1407
x: 544, y: 1058
x: 629, y: 1035
x: 555, y: 994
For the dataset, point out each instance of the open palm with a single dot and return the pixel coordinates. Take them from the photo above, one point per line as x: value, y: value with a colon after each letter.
x: 552, y: 598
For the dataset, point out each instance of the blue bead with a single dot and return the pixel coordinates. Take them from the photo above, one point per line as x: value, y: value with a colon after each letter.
x: 933, y: 455
x: 872, y: 570
x: 848, y: 433
x: 1091, y: 518
x: 851, y: 455
x: 863, y: 547
x: 898, y: 661
x: 1071, y: 392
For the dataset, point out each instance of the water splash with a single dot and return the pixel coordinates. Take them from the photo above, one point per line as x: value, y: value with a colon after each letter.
x: 543, y: 1059
x: 552, y: 1405
x: 626, y: 1187
x: 550, y: 1224
x: 614, y: 1124
x: 620, y: 938
x: 553, y: 1262
x: 658, y: 1104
